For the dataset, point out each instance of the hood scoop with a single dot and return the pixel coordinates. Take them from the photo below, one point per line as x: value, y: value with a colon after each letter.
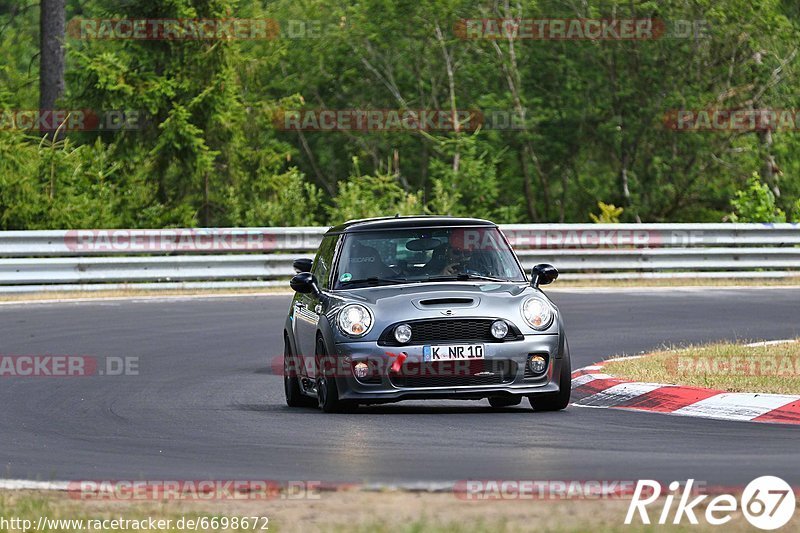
x: 446, y: 302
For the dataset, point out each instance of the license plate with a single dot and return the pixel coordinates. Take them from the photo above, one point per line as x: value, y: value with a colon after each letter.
x: 452, y: 352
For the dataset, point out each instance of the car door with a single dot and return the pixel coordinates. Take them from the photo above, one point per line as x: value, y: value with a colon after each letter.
x: 307, y: 307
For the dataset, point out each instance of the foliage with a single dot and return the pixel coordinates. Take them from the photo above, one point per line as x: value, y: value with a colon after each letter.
x: 609, y: 214
x: 371, y: 196
x: 565, y: 123
x: 285, y: 199
x: 756, y: 203
x: 62, y: 185
x: 465, y: 181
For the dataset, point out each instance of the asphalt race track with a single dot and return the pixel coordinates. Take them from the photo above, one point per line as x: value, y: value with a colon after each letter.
x: 206, y: 406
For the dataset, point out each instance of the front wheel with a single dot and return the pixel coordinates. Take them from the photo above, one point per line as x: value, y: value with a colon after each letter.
x: 291, y: 383
x: 327, y: 391
x: 555, y: 401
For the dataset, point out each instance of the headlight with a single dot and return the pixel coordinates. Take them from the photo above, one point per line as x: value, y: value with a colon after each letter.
x: 355, y: 320
x: 402, y: 333
x: 538, y: 313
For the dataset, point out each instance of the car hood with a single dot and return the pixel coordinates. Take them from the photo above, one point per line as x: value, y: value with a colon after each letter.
x: 396, y: 303
x: 375, y: 295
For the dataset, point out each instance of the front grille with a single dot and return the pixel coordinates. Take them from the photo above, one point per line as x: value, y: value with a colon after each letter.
x: 449, y: 330
x: 455, y: 373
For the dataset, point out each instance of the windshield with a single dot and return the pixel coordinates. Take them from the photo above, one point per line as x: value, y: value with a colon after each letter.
x: 422, y: 255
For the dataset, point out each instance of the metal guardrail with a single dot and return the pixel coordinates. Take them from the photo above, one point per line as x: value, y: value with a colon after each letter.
x: 253, y: 257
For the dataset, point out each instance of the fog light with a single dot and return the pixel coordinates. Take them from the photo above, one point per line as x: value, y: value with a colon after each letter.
x: 361, y: 370
x: 537, y: 364
x: 402, y: 333
x: 499, y: 329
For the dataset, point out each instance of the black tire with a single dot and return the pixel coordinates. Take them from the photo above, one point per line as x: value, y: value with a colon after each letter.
x: 327, y: 390
x: 504, y: 401
x: 291, y: 383
x: 555, y: 401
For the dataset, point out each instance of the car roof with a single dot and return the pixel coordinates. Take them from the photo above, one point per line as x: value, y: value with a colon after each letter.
x: 406, y: 222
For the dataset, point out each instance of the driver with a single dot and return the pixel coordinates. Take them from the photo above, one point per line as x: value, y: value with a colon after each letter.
x: 449, y: 261
x: 457, y: 261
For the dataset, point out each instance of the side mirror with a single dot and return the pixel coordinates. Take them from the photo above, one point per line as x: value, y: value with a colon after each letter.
x: 302, y: 265
x: 543, y: 274
x: 305, y: 283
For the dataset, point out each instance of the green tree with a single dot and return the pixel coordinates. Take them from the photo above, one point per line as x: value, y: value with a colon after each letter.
x: 756, y: 203
x: 276, y: 200
x: 371, y: 196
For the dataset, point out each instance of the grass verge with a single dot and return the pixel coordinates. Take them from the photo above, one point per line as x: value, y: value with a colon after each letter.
x: 675, y: 282
x: 138, y: 293
x: 731, y: 367
x: 560, y: 284
x: 350, y: 512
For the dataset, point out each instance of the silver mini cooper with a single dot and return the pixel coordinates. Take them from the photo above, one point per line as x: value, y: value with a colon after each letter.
x: 422, y: 308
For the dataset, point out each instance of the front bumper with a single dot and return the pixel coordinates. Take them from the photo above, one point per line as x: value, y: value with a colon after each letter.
x: 383, y: 385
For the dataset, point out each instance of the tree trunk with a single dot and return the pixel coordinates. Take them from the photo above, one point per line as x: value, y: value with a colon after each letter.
x: 52, y: 28
x: 770, y: 170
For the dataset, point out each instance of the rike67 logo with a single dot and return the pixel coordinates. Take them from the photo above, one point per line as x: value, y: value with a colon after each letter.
x: 767, y: 502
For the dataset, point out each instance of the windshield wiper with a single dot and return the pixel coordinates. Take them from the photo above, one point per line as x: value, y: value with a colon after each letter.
x: 463, y: 277
x: 375, y: 280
